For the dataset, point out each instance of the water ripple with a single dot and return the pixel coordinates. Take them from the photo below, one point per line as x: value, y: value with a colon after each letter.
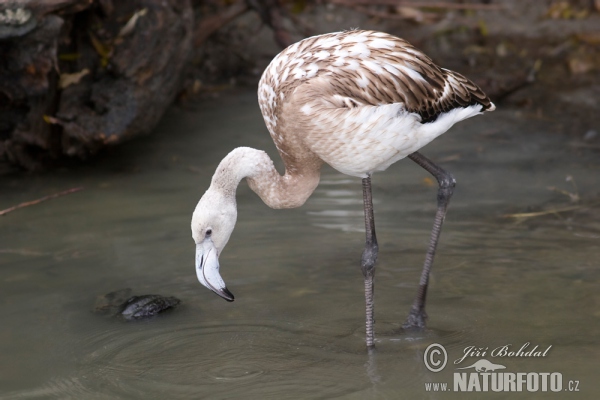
x: 249, y: 359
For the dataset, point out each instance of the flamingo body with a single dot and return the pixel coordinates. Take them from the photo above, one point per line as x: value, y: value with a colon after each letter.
x: 358, y: 101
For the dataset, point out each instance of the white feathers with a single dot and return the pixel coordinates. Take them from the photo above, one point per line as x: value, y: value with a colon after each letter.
x: 367, y: 137
x: 362, y: 81
x: 340, y: 52
x: 353, y: 65
x: 339, y: 62
x: 379, y: 43
x: 270, y: 95
x: 311, y: 70
x: 359, y: 50
x: 322, y: 55
x: 284, y: 77
x: 267, y: 100
x: 429, y: 131
x: 293, y: 49
x: 373, y: 66
x: 329, y: 42
x: 412, y: 73
x: 298, y: 62
x: 391, y: 69
x: 371, y: 138
x: 356, y: 37
x: 306, y: 109
x: 299, y: 73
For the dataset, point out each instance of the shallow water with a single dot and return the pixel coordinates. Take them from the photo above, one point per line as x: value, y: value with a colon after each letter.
x: 296, y: 329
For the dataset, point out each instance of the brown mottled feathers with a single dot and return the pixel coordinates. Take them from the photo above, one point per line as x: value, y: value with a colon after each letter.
x: 374, y: 68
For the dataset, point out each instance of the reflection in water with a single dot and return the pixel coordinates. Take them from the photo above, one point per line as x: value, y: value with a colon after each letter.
x: 371, y: 366
x: 296, y: 329
x: 338, y: 209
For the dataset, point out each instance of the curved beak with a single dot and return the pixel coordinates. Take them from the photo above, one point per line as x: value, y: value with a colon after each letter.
x: 207, y: 269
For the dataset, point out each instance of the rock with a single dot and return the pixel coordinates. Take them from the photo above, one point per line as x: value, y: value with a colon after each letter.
x: 121, y: 303
x: 135, y: 52
x: 148, y: 305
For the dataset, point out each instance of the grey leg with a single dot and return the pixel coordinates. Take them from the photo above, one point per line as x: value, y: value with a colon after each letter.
x: 417, y: 316
x: 368, y: 259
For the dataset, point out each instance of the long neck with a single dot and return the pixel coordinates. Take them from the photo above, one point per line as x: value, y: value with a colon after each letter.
x: 277, y: 191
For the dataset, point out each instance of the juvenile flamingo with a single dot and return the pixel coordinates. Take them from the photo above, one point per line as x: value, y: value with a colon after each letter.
x: 358, y: 101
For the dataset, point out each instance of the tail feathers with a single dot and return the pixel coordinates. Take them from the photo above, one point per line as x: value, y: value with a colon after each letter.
x: 466, y: 92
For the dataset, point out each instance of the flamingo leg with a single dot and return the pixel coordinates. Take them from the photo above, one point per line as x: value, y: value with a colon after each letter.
x: 417, y: 316
x: 368, y: 259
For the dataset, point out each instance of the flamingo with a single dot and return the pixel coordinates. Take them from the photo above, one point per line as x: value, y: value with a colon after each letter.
x: 359, y: 101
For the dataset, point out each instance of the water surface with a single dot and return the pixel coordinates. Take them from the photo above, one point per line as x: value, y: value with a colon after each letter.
x: 296, y: 328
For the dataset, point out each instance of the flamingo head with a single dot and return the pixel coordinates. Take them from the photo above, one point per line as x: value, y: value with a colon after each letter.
x: 212, y: 223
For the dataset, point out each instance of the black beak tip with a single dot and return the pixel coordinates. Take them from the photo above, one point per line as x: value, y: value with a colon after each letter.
x: 226, y: 294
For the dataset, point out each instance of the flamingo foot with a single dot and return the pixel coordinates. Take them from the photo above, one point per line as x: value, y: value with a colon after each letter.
x: 416, y: 320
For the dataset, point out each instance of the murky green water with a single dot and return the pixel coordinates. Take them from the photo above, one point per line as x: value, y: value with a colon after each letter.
x: 296, y: 327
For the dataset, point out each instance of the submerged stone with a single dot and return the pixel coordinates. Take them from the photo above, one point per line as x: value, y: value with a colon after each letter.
x: 148, y: 305
x: 120, y: 302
